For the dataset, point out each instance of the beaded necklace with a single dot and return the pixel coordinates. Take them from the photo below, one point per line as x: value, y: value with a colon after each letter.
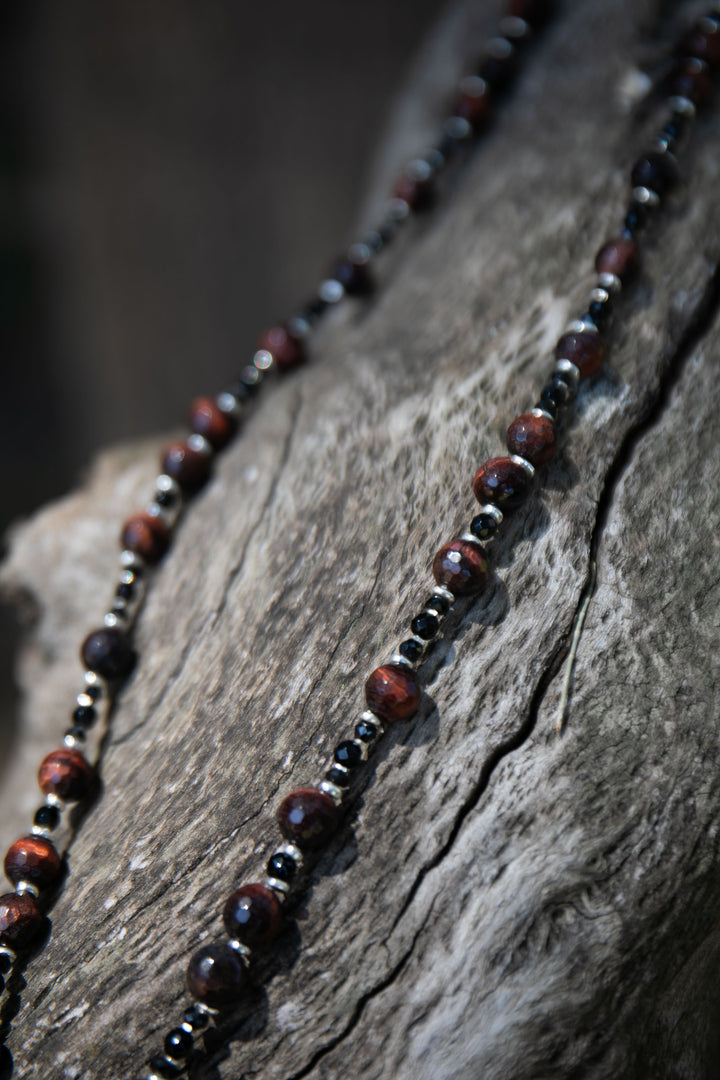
x: 308, y: 816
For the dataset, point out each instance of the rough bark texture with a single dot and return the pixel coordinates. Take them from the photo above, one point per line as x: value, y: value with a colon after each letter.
x: 503, y: 901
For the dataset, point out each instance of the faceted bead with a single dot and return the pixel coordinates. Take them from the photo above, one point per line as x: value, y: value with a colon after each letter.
x: 535, y: 12
x: 484, y: 526
x: 215, y: 976
x: 440, y: 603
x: 656, y: 171
x: 704, y: 43
x: 47, y: 817
x: 461, y: 567
x: 20, y: 919
x: 108, y: 652
x: 33, y: 859
x: 355, y: 277
x: 585, y: 350
x: 212, y: 422
x: 532, y: 437
x: 349, y: 754
x: 392, y: 692
x: 252, y: 914
x: 190, y: 468
x: 178, y: 1043
x: 84, y: 714
x: 501, y: 481
x: 196, y: 1018
x: 338, y: 777
x: 282, y: 867
x: 366, y: 731
x: 692, y: 81
x: 619, y: 257
x: 308, y: 817
x: 473, y: 103
x: 417, y: 191
x: 411, y: 650
x: 65, y: 773
x: 287, y: 350
x: 425, y: 625
x: 165, y: 1069
x: 147, y: 535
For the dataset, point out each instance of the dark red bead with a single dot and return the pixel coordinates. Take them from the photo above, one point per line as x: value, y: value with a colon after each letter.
x: 252, y: 914
x: 216, y: 976
x: 287, y: 350
x: 308, y: 817
x: 190, y: 468
x: 354, y: 276
x: 108, y: 652
x: 20, y: 919
x: 473, y: 103
x: 585, y: 350
x: 704, y: 43
x: 147, y: 535
x: 619, y: 257
x: 33, y: 859
x: 656, y: 171
x: 392, y: 692
x: 417, y: 192
x: 535, y: 12
x: 65, y: 773
x: 692, y: 81
x: 461, y: 567
x: 501, y: 481
x: 532, y: 437
x: 212, y: 422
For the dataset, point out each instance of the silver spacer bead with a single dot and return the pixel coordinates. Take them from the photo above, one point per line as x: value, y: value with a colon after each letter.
x: 71, y: 741
x: 471, y: 539
x: 280, y: 888
x: 493, y: 511
x: 130, y: 560
x: 93, y: 680
x: 41, y: 830
x: 293, y: 852
x: 332, y: 790
x: 515, y: 28
x: 646, y: 196
x: 207, y: 1009
x: 200, y: 445
x: 111, y: 620
x: 229, y: 404
x: 187, y: 1028
x: 22, y: 887
x: 500, y: 48
x: 473, y: 85
x: 84, y: 701
x: 419, y: 169
x: 541, y: 412
x: 610, y: 282
x: 243, y: 951
x: 458, y: 128
x: 566, y: 367
x: 55, y: 801
x: 398, y: 209
x: 683, y: 105
x: 331, y: 291
x: 581, y: 326
x: 445, y: 593
x: 166, y: 484
x: 5, y: 950
x: 263, y: 360
x: 524, y: 464
x: 599, y: 296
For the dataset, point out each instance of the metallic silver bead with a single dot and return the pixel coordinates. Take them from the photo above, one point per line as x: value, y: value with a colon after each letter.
x: 599, y: 296
x: 500, y: 48
x: 187, y: 1028
x: 11, y: 955
x: 524, y: 464
x: 94, y: 681
x: 514, y: 28
x: 71, y: 741
x: 111, y: 620
x: 229, y: 404
x: 435, y: 159
x: 445, y: 593
x: 22, y: 887
x: 200, y: 445
x: 332, y: 790
x: 541, y: 412
x: 610, y: 282
x: 293, y: 852
x: 130, y: 560
x: 567, y: 368
x: 419, y: 169
x: 646, y: 196
x: 471, y: 538
x: 167, y: 485
x: 280, y: 888
x: 473, y: 85
x: 243, y: 950
x: 458, y: 128
x: 398, y: 210
x: 56, y: 801
x: 42, y: 830
x: 398, y: 658
x: 493, y: 511
x: 263, y: 360
x: 331, y: 291
x: 581, y: 326
x: 680, y: 104
x: 84, y: 701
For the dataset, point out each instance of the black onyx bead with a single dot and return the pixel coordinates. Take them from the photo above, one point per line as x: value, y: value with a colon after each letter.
x: 165, y: 498
x: 483, y: 526
x: 178, y: 1043
x: 84, y: 714
x: 338, y: 777
x: 656, y: 171
x: 425, y: 625
x: 124, y: 590
x: 411, y: 650
x: 550, y: 395
x: 559, y: 390
x: 76, y: 732
x: 282, y: 866
x: 439, y: 603
x: 162, y: 1067
x: 5, y: 963
x: 548, y: 407
x: 315, y: 307
x: 196, y: 1018
x: 599, y: 311
x: 348, y: 754
x: 93, y: 692
x: 47, y: 817
x: 366, y: 731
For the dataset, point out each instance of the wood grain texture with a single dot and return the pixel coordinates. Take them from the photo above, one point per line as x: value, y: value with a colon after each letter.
x: 502, y: 902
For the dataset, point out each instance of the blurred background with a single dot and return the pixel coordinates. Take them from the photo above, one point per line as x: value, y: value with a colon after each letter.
x: 174, y: 176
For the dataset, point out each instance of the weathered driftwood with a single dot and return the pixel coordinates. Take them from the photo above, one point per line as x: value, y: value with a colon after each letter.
x: 503, y: 902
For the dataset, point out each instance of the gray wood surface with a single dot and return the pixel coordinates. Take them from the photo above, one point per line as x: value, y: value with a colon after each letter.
x: 503, y: 902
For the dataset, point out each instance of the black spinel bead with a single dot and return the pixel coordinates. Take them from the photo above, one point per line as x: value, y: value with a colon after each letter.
x: 93, y: 692
x: 338, y: 777
x: 411, y: 650
x: 425, y: 625
x: 162, y: 1067
x: 178, y: 1043
x: 551, y: 396
x: 47, y: 817
x: 636, y: 217
x: 282, y: 867
x: 366, y: 731
x: 656, y: 171
x: 196, y: 1018
x: 560, y: 389
x: 439, y: 603
x: 348, y: 754
x: 315, y: 308
x: 548, y: 407
x: 165, y: 498
x: 84, y: 714
x: 250, y: 377
x: 484, y: 526
x: 5, y: 963
x: 599, y: 311
x: 124, y: 590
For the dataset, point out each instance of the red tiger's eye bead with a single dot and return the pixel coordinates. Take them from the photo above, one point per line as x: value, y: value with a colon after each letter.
x: 392, y: 692
x: 287, y: 351
x: 65, y: 773
x: 532, y: 437
x: 585, y: 350
x: 189, y: 467
x: 108, y: 652
x: 252, y: 914
x: 308, y: 817
x: 461, y: 567
x: 692, y: 81
x: 501, y: 481
x: 216, y: 976
x: 146, y: 534
x: 619, y: 257
x: 210, y: 421
x: 33, y: 859
x: 473, y: 102
x: 20, y: 919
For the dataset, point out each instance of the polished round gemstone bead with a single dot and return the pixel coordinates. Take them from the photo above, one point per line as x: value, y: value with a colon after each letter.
x: 501, y: 481
x: 287, y: 350
x: 349, y: 754
x: 411, y: 650
x: 190, y: 468
x: 425, y: 625
x: 585, y: 350
x: 47, y: 817
x: 108, y: 652
x: 461, y: 567
x: 147, y: 535
x: 392, y: 692
x: 178, y: 1043
x: 252, y: 914
x: 213, y: 423
x: 308, y: 817
x: 619, y: 257
x: 33, y: 859
x: 215, y: 976
x: 355, y: 277
x: 691, y: 80
x: 282, y: 866
x: 532, y: 437
x: 656, y: 171
x: 65, y: 773
x: 484, y: 526
x: 20, y: 919
x: 473, y: 103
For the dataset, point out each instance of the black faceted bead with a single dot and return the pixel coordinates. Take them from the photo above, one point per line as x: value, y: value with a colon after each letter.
x: 483, y: 526
x: 599, y: 311
x: 366, y: 731
x: 550, y: 395
x: 124, y: 590
x: 439, y: 603
x: 656, y: 171
x: 196, y: 1018
x: 425, y: 625
x: 338, y: 777
x: 47, y: 817
x: 163, y: 498
x: 84, y: 714
x: 93, y: 692
x: 411, y: 650
x: 178, y: 1043
x: 282, y: 867
x: 549, y: 407
x: 162, y: 1067
x: 314, y: 308
x: 348, y: 754
x: 560, y: 389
